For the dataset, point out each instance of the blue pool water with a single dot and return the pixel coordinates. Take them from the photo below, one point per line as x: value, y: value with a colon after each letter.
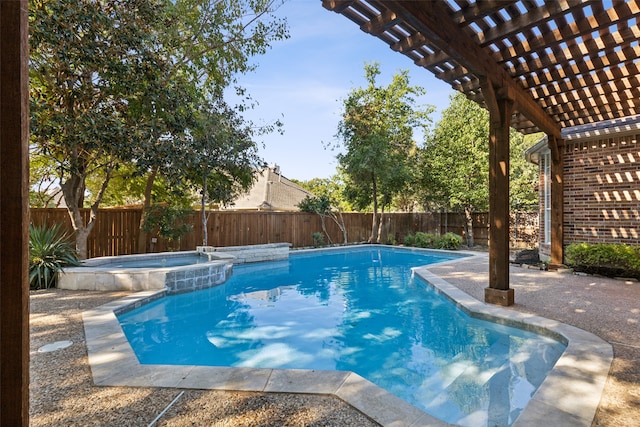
x: 158, y: 262
x: 359, y: 310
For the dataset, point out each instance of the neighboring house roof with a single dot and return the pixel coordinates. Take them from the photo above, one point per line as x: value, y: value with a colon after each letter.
x: 57, y: 198
x: 272, y: 191
x: 593, y: 131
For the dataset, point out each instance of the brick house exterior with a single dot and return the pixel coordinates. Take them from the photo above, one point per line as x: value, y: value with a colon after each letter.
x: 601, y: 167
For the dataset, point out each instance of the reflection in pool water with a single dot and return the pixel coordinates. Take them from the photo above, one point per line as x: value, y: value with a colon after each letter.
x: 359, y: 310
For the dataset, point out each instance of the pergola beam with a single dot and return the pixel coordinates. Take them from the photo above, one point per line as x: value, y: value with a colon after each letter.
x: 381, y: 24
x: 533, y: 18
x: 554, y: 55
x: 480, y: 9
x: 431, y: 19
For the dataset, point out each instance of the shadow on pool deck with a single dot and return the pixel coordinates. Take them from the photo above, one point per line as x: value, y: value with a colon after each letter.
x: 62, y: 389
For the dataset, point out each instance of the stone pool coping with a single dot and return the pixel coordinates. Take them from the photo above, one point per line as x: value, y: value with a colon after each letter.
x: 569, y: 395
x: 115, y: 273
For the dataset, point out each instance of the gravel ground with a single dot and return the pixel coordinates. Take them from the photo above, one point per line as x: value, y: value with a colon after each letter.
x: 62, y: 391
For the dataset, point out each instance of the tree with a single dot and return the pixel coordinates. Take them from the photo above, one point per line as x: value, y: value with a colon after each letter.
x: 332, y: 188
x: 127, y: 187
x: 169, y: 221
x: 88, y: 113
x: 222, y: 158
x: 322, y: 206
x: 455, y: 160
x: 376, y: 130
x: 43, y: 190
x: 83, y: 55
x: 208, y: 44
x: 523, y: 175
x: 454, y: 163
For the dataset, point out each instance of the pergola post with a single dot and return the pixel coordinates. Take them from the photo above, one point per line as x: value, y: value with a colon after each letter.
x: 557, y: 201
x: 500, y: 106
x: 14, y: 221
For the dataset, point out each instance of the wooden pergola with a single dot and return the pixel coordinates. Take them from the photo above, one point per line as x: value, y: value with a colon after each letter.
x: 534, y: 65
x: 14, y: 214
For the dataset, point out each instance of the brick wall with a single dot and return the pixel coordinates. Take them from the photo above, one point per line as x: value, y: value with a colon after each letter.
x: 602, y: 191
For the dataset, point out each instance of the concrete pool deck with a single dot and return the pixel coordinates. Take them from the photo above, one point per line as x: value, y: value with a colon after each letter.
x: 569, y: 395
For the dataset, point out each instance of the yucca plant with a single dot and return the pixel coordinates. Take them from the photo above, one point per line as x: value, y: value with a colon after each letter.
x: 50, y: 249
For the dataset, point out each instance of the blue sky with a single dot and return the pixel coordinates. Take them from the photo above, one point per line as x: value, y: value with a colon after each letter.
x: 303, y: 80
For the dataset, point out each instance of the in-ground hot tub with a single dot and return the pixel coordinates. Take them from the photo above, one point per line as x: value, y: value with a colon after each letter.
x: 174, y: 271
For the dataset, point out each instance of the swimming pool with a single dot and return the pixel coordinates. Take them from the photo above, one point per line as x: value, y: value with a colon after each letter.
x: 357, y: 310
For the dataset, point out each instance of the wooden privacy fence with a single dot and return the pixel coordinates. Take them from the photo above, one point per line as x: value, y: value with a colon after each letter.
x: 116, y: 230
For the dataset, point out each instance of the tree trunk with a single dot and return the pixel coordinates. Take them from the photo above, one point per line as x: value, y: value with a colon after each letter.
x: 82, y: 235
x: 324, y: 228
x: 469, y: 217
x: 344, y: 229
x: 380, y: 225
x: 205, y: 232
x: 73, y: 191
x: 374, y: 226
x: 70, y: 190
x: 341, y: 226
x: 81, y: 231
x: 142, y: 235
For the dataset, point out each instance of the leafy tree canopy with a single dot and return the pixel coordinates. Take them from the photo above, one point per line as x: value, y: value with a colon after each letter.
x: 455, y: 158
x: 454, y: 162
x: 523, y: 176
x: 122, y: 81
x: 222, y: 156
x: 332, y: 188
x: 127, y: 187
x: 377, y: 133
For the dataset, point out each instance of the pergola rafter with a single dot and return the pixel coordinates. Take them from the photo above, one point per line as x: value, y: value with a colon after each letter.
x: 535, y: 65
x: 560, y: 53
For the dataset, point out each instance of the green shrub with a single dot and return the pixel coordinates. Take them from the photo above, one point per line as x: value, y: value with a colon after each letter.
x: 170, y: 223
x: 424, y: 240
x: 420, y: 240
x: 409, y: 240
x: 318, y: 239
x: 50, y: 249
x: 449, y: 241
x: 606, y: 259
x: 428, y: 240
